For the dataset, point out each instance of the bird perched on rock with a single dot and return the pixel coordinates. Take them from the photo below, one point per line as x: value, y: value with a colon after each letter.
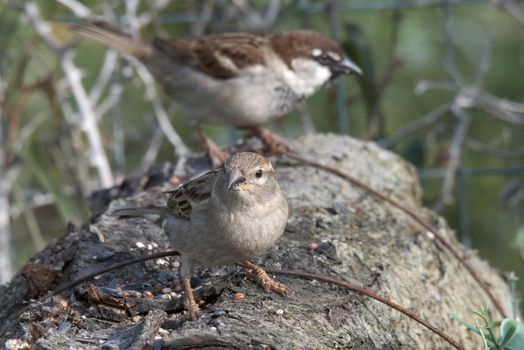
x: 241, y: 80
x: 225, y: 216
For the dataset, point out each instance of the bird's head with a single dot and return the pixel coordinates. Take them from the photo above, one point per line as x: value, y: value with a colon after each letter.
x: 248, y: 176
x: 312, y: 59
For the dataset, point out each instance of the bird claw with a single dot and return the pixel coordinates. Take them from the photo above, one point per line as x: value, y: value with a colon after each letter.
x: 193, y: 309
x: 270, y: 284
x: 262, y: 278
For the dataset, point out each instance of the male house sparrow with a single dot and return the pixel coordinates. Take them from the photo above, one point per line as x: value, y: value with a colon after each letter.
x: 223, y: 217
x: 236, y: 79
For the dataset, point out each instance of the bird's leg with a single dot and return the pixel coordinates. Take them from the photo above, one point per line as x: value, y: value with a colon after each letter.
x: 190, y: 303
x: 273, y: 143
x: 215, y: 153
x: 260, y: 276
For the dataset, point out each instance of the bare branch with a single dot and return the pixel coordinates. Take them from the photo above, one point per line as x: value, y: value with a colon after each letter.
x: 109, y: 65
x: 88, y: 122
x: 455, y: 156
x: 480, y: 147
x: 512, y: 8
x: 6, y: 178
x: 30, y: 218
x: 385, y: 5
x: 79, y: 9
x: 181, y: 149
x: 152, y: 150
x: 416, y: 125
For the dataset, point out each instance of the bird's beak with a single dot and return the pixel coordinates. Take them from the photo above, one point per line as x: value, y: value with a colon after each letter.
x: 235, y: 178
x: 346, y: 66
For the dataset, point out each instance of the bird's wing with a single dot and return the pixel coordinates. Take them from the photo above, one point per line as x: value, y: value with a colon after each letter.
x: 220, y: 56
x: 182, y: 200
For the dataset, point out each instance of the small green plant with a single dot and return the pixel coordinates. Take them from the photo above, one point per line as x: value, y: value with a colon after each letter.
x: 507, y: 334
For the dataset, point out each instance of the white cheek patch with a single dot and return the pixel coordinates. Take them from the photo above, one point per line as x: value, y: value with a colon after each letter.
x: 307, y: 76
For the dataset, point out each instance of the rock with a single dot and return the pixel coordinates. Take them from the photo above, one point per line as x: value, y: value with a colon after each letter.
x: 354, y: 236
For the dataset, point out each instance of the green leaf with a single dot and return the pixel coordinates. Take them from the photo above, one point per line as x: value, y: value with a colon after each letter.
x: 508, y: 328
x: 517, y: 341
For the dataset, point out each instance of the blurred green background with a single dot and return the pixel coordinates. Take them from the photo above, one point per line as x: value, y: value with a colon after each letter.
x: 417, y: 56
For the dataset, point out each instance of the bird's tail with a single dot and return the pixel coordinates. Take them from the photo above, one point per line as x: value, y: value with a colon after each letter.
x: 113, y: 37
x: 154, y: 214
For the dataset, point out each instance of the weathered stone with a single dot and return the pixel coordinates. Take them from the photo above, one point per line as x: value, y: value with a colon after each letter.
x: 335, y: 229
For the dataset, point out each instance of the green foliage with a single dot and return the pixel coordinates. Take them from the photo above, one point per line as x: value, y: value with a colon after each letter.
x: 507, y: 334
x: 510, y: 334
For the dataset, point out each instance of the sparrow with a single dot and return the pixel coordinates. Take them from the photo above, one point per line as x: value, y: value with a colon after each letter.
x: 225, y: 216
x: 240, y: 80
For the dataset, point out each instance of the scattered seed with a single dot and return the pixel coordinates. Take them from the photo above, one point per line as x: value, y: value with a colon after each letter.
x: 312, y: 247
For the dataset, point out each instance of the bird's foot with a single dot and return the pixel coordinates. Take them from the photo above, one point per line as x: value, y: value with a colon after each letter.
x: 193, y: 309
x: 263, y: 279
x: 273, y: 143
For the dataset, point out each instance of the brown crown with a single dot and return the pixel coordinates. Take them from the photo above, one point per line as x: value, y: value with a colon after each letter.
x: 300, y: 43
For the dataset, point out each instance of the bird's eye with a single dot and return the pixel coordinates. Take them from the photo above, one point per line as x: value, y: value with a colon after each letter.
x: 324, y: 58
x: 259, y: 173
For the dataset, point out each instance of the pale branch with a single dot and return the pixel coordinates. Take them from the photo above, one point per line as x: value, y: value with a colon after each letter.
x: 30, y: 218
x: 416, y: 125
x: 104, y: 77
x: 88, y: 123
x: 387, y: 5
x: 181, y: 149
x: 483, y: 148
x: 7, y: 175
x: 152, y: 150
x: 79, y: 9
x: 465, y: 99
x: 454, y: 157
x: 512, y: 8
x: 113, y: 98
